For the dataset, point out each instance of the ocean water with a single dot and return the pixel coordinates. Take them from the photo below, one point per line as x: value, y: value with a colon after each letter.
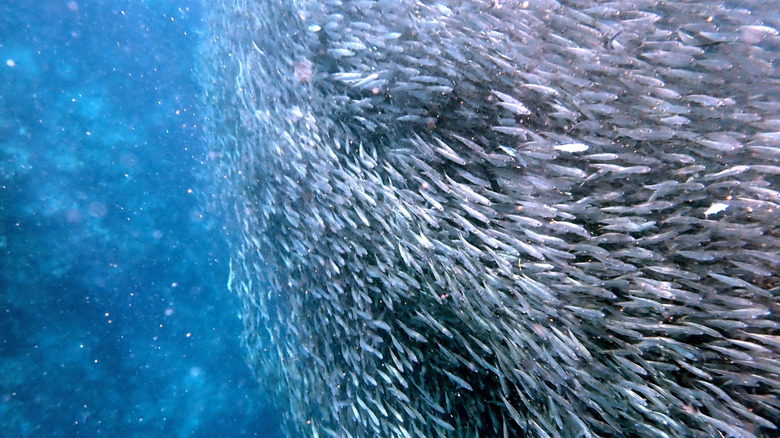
x: 114, y: 315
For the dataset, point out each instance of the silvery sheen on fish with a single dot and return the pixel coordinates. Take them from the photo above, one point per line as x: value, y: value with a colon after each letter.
x: 503, y: 218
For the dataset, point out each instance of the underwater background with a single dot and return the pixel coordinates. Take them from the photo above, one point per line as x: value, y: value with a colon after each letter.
x: 114, y: 315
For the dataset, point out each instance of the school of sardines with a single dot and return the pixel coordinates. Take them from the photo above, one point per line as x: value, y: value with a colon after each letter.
x: 503, y: 218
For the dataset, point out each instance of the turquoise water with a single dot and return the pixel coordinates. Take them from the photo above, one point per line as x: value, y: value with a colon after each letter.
x: 114, y: 315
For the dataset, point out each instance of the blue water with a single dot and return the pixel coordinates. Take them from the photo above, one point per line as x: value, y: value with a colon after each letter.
x: 114, y: 315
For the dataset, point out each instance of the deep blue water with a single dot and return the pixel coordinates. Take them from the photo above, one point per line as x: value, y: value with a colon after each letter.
x: 115, y: 319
